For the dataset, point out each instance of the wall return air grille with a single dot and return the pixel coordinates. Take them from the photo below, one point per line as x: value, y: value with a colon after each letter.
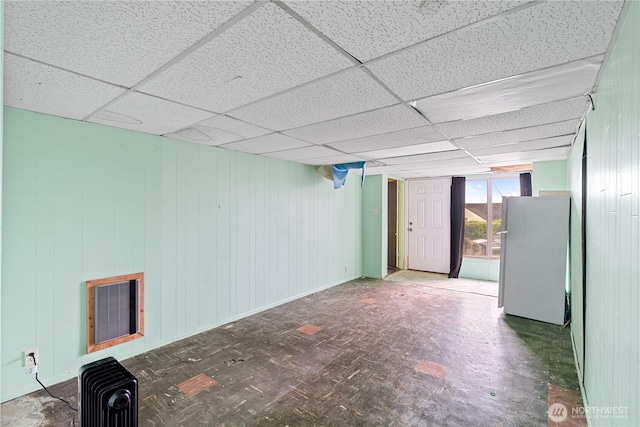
x: 554, y: 193
x: 115, y: 310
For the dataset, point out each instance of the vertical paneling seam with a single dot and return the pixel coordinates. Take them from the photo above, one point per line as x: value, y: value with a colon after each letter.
x: 162, y: 231
x: 185, y: 237
x: 143, y: 214
x: 53, y: 233
x: 82, y: 215
x: 114, y: 209
x: 197, y: 242
x: 35, y: 221
x: 175, y: 242
x: 238, y: 225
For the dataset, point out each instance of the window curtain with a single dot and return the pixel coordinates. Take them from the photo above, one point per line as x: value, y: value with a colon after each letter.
x: 457, y: 225
x: 525, y: 184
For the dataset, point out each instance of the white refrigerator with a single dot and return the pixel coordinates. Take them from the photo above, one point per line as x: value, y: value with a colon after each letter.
x: 533, y: 257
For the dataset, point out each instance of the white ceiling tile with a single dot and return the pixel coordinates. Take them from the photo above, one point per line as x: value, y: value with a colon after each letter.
x: 545, y: 35
x: 515, y: 136
x: 219, y: 130
x: 409, y: 150
x: 538, y: 87
x: 558, y: 153
x: 332, y: 160
x: 347, y: 93
x: 156, y: 116
x: 368, y: 29
x: 384, y: 120
x: 442, y: 164
x: 205, y: 135
x: 238, y: 127
x: 532, y: 116
x: 115, y: 41
x: 379, y: 170
x: 430, y: 157
x: 266, y: 144
x: 407, y: 175
x: 526, y: 165
x: 263, y: 49
x: 453, y: 170
x: 389, y: 140
x: 263, y: 54
x: 37, y: 87
x: 302, y: 154
x: 538, y: 144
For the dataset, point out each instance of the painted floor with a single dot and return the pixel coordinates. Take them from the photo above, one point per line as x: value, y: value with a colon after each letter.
x: 407, y: 351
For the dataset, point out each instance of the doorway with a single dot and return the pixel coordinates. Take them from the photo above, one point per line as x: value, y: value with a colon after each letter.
x: 392, y: 226
x: 429, y: 228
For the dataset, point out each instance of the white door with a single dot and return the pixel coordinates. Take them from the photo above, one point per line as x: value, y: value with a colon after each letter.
x: 429, y: 227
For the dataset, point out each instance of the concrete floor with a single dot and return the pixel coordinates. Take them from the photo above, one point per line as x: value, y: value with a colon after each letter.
x: 412, y: 350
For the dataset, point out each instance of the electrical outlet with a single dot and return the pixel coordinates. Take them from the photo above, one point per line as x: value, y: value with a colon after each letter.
x: 31, y: 357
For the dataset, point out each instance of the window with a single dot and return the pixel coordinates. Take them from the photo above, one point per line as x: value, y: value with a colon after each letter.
x: 115, y: 310
x: 483, y: 219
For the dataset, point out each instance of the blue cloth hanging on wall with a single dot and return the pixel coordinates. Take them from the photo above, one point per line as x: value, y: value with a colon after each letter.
x: 341, y: 170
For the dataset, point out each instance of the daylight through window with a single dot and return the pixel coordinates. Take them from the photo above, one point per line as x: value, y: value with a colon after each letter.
x: 483, y: 214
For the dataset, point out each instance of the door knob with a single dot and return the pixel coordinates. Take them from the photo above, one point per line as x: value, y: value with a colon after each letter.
x: 410, y: 229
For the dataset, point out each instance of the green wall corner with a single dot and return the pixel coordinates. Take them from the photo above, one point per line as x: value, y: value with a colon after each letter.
x: 374, y: 227
x: 550, y: 175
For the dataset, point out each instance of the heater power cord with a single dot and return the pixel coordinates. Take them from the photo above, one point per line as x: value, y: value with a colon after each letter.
x: 35, y: 363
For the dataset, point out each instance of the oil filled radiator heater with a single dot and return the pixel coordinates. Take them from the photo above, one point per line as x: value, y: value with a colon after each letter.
x: 108, y: 395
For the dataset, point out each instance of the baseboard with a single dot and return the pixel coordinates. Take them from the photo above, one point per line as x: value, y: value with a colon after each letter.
x: 585, y: 402
x: 31, y: 385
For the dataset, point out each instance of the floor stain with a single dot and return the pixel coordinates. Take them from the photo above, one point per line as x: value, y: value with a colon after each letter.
x: 482, y: 367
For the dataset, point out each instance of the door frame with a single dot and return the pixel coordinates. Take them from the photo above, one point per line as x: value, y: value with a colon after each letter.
x: 401, y: 224
x: 405, y: 216
x: 391, y: 210
x: 401, y: 239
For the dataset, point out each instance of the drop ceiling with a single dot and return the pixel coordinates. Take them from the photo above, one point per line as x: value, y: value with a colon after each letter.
x: 416, y: 88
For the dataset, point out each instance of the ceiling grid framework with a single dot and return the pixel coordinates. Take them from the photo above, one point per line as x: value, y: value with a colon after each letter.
x: 415, y: 88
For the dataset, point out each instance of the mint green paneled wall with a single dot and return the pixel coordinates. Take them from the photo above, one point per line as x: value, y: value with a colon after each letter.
x: 1, y: 156
x: 612, y: 340
x: 219, y: 235
x: 575, y: 249
x: 374, y: 226
x: 480, y: 269
x: 550, y: 175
